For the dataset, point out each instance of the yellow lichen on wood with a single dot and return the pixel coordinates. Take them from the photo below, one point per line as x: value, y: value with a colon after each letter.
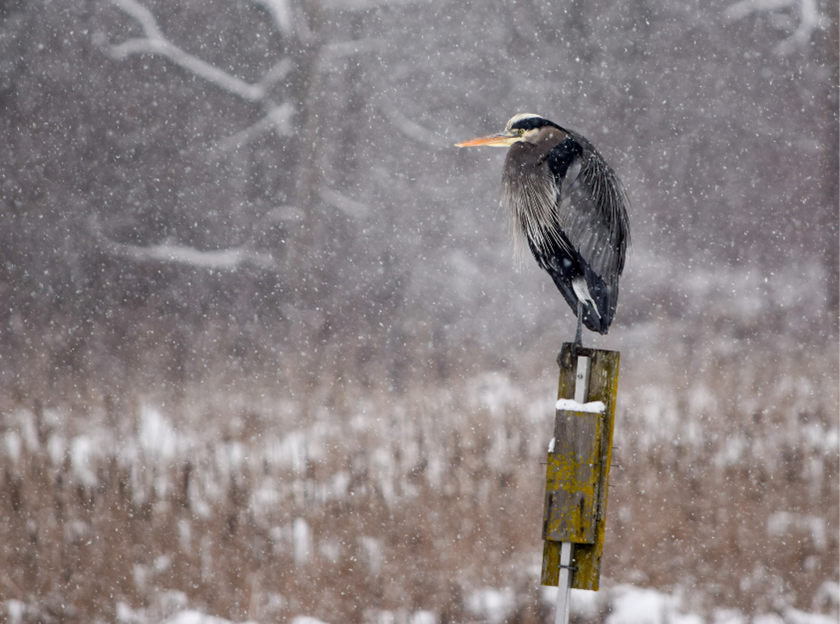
x: 603, y: 386
x: 572, y: 477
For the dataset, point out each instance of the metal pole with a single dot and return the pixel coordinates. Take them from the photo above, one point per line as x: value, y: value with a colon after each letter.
x: 564, y: 585
x: 582, y: 379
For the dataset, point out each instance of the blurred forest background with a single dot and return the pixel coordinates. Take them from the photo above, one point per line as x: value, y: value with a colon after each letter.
x: 265, y: 349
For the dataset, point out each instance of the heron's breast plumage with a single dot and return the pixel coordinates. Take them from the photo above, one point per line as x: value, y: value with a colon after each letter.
x: 530, y: 195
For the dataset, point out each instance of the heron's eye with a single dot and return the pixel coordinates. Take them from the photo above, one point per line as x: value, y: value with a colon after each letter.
x: 520, y: 131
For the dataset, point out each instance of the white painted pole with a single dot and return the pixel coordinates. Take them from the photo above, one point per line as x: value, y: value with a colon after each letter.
x: 582, y: 379
x: 564, y: 584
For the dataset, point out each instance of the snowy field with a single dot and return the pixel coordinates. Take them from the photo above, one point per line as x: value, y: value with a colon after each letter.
x: 424, y: 506
x: 266, y: 354
x: 618, y: 604
x: 417, y: 510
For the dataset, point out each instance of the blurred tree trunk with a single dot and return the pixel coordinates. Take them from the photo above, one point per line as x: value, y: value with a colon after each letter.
x: 831, y: 167
x: 308, y: 96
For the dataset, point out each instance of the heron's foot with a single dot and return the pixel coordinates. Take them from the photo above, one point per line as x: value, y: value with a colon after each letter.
x: 579, y: 335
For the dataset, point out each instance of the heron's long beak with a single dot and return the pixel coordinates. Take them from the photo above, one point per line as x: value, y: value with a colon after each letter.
x: 494, y: 140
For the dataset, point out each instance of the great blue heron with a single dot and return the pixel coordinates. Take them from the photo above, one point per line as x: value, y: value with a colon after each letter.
x: 571, y: 208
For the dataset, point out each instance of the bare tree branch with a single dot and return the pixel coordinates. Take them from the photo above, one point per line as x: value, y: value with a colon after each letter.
x: 155, y: 42
x: 412, y: 129
x: 342, y: 49
x: 344, y: 204
x: 742, y: 9
x: 218, y: 260
x: 278, y: 118
x: 282, y: 15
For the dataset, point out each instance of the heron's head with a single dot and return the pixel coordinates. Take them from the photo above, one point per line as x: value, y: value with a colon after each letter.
x: 523, y: 127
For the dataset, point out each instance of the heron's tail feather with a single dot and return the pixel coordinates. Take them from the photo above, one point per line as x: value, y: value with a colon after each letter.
x: 576, y: 281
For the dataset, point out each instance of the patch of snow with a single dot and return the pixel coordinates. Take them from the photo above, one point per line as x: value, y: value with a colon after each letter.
x: 76, y: 531
x: 493, y: 605
x: 14, y: 445
x: 373, y: 551
x: 423, y: 617
x: 728, y: 616
x: 584, y: 604
x: 201, y: 508
x: 141, y: 577
x: 632, y: 605
x: 702, y: 399
x: 264, y: 500
x: 28, y: 429
x: 275, y: 602
x: 305, y: 619
x: 162, y: 563
x: 819, y: 437
x: 733, y: 449
x: 15, y: 610
x: 330, y: 550
x: 301, y: 540
x: 56, y: 449
x: 290, y: 451
x: 168, y: 603
x: 570, y: 405
x: 794, y: 616
x: 126, y: 615
x: 827, y: 597
x: 340, y: 483
x: 196, y: 617
x: 495, y: 391
x: 83, y: 449
x: 156, y: 434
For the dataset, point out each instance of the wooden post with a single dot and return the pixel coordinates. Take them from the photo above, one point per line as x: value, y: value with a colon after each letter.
x: 578, y: 467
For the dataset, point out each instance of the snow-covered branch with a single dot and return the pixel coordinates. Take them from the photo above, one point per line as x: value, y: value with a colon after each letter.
x: 742, y: 9
x: 154, y: 42
x: 412, y: 129
x: 278, y: 119
x: 281, y: 13
x: 344, y: 204
x: 810, y: 18
x: 342, y: 49
x: 220, y: 260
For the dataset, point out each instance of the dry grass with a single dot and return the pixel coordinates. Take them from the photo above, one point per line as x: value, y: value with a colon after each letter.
x: 354, y: 501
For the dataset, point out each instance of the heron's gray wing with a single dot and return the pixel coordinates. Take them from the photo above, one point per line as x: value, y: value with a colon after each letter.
x: 591, y: 211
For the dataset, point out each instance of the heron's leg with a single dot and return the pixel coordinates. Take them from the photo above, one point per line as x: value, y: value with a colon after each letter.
x: 579, y: 333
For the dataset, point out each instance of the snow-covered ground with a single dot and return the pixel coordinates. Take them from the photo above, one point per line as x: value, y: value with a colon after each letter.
x: 277, y: 465
x: 617, y: 604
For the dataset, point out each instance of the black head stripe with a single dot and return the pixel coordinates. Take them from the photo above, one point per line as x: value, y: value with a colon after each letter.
x: 530, y: 123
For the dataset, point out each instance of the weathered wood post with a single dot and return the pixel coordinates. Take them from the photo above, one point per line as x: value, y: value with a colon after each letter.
x: 578, y: 469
